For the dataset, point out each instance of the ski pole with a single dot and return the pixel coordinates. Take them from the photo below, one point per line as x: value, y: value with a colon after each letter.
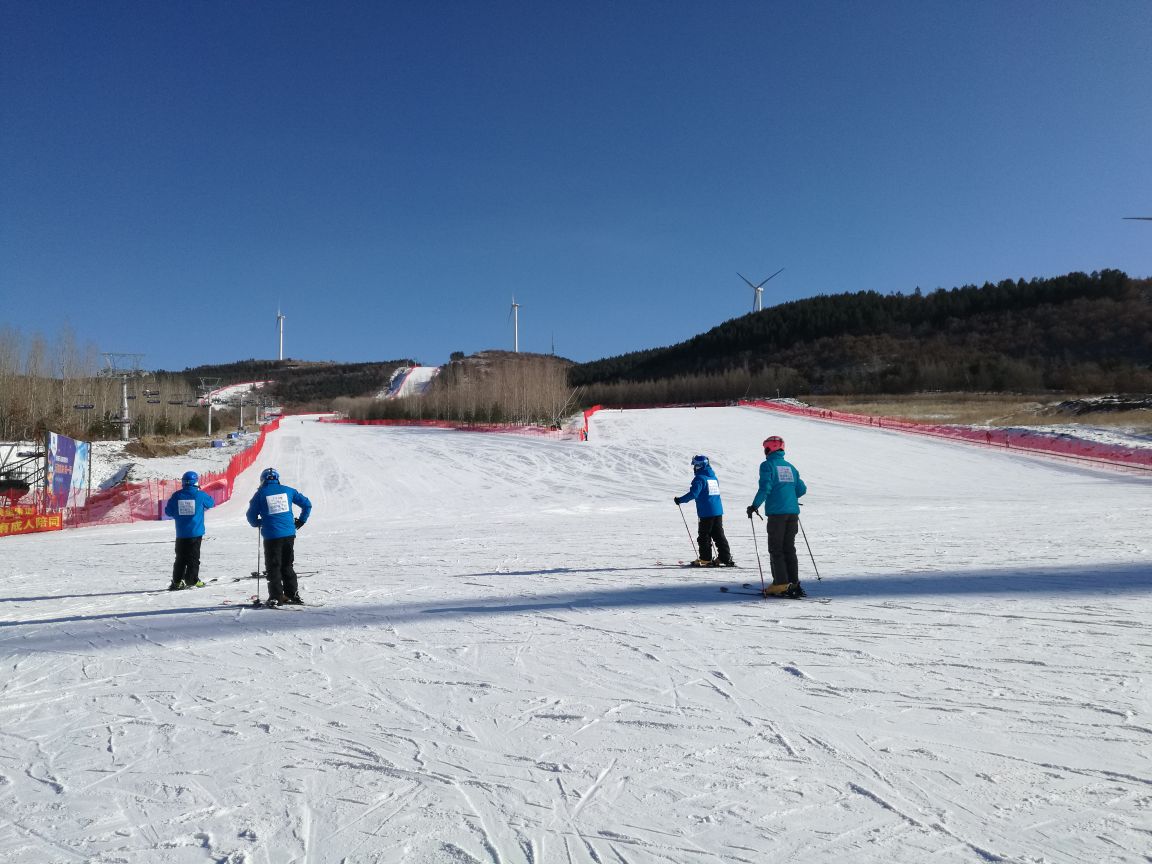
x: 756, y: 546
x: 685, y: 520
x: 805, y: 536
x: 258, y: 571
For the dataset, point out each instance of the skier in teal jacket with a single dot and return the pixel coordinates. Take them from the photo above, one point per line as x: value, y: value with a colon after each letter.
x: 779, y: 491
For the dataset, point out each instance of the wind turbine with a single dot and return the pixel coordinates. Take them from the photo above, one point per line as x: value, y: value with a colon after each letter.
x: 514, y: 314
x: 280, y: 316
x: 758, y: 298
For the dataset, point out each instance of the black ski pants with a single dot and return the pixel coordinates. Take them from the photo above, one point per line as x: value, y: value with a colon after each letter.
x: 782, y: 547
x: 279, y: 555
x: 711, y: 530
x: 187, y: 566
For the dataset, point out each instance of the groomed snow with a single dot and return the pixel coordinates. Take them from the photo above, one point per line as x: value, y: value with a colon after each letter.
x: 510, y: 669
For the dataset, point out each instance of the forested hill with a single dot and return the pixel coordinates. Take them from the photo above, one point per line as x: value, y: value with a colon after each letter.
x: 297, y: 384
x: 1079, y: 331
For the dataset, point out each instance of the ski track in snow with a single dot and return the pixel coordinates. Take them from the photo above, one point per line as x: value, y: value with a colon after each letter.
x: 503, y: 674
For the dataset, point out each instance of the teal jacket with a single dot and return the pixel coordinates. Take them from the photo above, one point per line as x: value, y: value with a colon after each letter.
x: 780, y: 486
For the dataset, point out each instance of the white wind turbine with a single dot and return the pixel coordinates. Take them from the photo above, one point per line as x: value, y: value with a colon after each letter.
x: 514, y: 314
x: 280, y: 316
x: 758, y: 297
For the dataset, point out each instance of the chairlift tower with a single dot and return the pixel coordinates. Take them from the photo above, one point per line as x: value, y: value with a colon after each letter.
x: 207, y: 385
x: 126, y: 367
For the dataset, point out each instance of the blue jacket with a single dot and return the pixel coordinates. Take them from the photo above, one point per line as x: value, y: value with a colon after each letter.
x: 186, y: 507
x: 271, y: 510
x: 705, y: 490
x: 780, y: 486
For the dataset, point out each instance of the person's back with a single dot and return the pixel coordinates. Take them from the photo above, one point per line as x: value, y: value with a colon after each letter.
x: 780, y: 485
x: 779, y: 491
x: 186, y: 508
x: 270, y: 510
x: 705, y: 491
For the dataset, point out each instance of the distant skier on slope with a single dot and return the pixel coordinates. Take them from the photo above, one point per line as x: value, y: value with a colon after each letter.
x: 705, y: 490
x: 779, y: 491
x: 270, y: 510
x: 186, y: 508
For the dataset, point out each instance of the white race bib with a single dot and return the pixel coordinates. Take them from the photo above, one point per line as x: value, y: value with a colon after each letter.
x: 186, y: 507
x: 713, y: 486
x: 277, y: 503
x: 784, y: 474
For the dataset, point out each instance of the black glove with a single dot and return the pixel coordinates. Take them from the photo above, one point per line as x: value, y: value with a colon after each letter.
x: 676, y: 500
x: 750, y: 511
x: 299, y: 522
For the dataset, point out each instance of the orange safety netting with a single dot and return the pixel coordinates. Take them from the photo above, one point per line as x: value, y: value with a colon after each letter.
x: 512, y: 428
x: 133, y: 502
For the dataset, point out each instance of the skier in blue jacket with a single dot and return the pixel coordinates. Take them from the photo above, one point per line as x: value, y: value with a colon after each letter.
x: 270, y: 510
x: 779, y: 491
x: 186, y: 508
x: 705, y: 490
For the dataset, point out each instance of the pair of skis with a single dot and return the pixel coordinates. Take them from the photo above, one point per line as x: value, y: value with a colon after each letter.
x: 747, y: 586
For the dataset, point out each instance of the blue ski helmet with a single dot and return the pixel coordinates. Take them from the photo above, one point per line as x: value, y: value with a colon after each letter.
x: 190, y: 478
x: 699, y: 462
x: 269, y: 475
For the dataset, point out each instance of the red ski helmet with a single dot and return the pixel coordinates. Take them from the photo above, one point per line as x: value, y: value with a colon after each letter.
x: 773, y: 443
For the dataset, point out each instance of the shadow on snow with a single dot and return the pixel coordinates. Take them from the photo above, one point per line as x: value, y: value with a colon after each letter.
x: 1098, y: 584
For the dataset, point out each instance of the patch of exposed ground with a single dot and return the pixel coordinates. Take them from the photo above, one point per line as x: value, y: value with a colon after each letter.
x: 150, y: 448
x: 1124, y: 413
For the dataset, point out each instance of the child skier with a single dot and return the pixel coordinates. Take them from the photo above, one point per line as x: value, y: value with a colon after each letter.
x: 705, y: 490
x: 270, y: 510
x: 186, y: 508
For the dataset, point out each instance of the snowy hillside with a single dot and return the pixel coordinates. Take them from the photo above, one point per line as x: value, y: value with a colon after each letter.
x: 410, y: 381
x: 509, y: 667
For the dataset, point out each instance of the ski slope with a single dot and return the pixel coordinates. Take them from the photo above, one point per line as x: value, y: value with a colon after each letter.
x: 412, y: 381
x: 510, y: 669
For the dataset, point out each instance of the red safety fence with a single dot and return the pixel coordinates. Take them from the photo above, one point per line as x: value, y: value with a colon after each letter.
x: 1016, y: 438
x: 134, y: 502
x: 462, y: 426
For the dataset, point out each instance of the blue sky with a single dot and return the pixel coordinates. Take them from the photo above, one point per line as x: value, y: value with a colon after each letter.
x: 391, y: 174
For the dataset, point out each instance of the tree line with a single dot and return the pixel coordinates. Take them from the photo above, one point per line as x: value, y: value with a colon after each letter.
x: 488, y: 387
x: 56, y: 386
x: 1086, y: 332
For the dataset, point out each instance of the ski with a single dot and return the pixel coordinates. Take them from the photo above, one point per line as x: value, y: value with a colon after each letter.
x: 207, y: 582
x: 724, y: 589
x: 688, y: 565
x: 262, y: 575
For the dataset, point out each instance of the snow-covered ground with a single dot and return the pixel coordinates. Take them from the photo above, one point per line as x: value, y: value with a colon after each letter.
x: 410, y: 381
x: 509, y: 668
x: 235, y: 391
x: 110, y: 464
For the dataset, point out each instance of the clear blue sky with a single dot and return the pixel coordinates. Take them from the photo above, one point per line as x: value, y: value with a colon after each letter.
x: 391, y: 174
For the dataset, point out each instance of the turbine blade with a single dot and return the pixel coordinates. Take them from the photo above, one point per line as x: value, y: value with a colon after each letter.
x: 1143, y: 218
x: 750, y: 285
x: 774, y: 275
